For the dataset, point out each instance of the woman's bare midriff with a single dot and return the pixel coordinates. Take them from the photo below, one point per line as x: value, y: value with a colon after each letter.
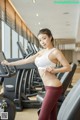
x: 49, y: 79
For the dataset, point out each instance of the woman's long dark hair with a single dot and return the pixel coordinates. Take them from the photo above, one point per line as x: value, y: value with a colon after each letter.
x: 47, y: 32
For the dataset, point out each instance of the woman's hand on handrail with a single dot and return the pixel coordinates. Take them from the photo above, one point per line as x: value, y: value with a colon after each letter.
x: 5, y: 62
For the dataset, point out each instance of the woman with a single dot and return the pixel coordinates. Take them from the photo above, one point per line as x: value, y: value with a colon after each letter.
x: 46, y: 61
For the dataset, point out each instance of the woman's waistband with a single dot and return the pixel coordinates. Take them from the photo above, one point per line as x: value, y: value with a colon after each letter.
x: 53, y: 87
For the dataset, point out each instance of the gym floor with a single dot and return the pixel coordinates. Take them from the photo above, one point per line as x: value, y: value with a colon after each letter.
x: 31, y: 114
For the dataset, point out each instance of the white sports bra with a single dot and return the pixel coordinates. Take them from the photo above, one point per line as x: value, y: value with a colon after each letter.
x: 43, y: 61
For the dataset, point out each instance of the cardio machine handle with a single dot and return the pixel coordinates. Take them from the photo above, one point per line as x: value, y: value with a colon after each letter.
x: 5, y: 70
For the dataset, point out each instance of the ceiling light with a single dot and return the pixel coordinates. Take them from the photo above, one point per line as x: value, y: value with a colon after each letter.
x: 39, y: 23
x: 37, y: 14
x: 34, y: 1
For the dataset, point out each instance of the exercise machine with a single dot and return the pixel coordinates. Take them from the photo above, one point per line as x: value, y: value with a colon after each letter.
x: 15, y: 93
x: 7, y: 107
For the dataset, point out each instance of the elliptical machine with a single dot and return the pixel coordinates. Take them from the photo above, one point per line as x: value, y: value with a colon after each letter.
x: 14, y: 91
x: 7, y: 107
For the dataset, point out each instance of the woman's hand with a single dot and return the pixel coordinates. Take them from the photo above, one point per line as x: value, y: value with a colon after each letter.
x: 4, y: 62
x: 50, y: 69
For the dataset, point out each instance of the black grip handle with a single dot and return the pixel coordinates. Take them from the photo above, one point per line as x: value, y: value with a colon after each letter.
x: 5, y: 70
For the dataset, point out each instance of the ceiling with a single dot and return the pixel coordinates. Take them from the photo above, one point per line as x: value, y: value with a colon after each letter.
x: 61, y: 19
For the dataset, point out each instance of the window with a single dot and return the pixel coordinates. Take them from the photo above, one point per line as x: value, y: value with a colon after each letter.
x: 6, y: 40
x: 14, y: 44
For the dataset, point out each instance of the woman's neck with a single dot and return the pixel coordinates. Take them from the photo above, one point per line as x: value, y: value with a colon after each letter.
x: 49, y: 47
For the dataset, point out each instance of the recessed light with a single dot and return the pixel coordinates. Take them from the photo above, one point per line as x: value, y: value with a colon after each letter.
x: 37, y: 14
x: 39, y: 23
x: 34, y: 1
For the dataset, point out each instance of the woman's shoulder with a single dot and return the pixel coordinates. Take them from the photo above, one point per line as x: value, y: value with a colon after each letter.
x: 56, y: 50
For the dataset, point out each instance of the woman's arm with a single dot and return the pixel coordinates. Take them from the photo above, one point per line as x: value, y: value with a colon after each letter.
x: 21, y: 62
x: 65, y: 65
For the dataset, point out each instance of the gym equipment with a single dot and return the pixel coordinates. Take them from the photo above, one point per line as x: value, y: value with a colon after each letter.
x: 70, y: 108
x: 7, y: 71
x: 35, y: 80
x: 7, y: 107
x: 15, y: 93
x: 24, y: 53
x: 21, y: 99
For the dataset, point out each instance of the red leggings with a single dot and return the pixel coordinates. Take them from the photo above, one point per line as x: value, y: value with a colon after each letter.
x: 49, y: 105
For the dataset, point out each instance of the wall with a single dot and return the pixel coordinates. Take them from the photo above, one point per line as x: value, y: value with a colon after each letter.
x: 68, y: 55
